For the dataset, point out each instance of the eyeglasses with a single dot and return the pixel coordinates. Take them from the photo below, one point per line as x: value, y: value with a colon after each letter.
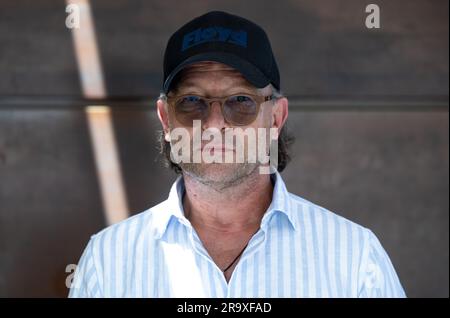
x: 237, y: 110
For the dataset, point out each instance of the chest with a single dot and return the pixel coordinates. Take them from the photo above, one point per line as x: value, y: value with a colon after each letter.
x: 225, y: 250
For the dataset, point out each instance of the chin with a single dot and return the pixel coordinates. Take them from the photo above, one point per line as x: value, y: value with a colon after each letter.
x: 219, y: 173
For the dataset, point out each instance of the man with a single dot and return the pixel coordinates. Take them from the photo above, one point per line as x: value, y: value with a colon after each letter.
x: 230, y: 229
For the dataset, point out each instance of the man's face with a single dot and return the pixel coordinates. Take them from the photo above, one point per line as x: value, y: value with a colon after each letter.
x: 218, y: 80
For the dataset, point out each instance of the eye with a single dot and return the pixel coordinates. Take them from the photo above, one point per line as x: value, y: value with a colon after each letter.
x: 190, y: 103
x: 242, y: 99
x: 190, y: 99
x: 242, y: 103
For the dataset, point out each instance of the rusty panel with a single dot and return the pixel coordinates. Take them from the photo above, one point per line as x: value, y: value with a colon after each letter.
x: 388, y: 171
x: 36, y: 51
x: 49, y: 200
x: 322, y: 47
x: 385, y: 170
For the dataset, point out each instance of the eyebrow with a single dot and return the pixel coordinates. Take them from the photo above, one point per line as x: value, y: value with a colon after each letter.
x: 189, y: 85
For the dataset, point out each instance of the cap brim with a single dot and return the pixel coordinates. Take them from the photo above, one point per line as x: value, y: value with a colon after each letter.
x: 250, y: 72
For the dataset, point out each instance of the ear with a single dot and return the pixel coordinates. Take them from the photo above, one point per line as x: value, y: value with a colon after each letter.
x: 280, y: 113
x: 163, y: 115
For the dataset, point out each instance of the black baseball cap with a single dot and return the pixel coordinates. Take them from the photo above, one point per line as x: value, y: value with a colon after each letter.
x: 222, y: 37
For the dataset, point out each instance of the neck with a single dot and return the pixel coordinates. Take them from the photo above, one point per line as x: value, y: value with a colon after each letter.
x: 234, y: 209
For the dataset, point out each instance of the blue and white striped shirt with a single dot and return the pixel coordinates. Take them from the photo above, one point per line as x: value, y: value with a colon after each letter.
x: 301, y: 250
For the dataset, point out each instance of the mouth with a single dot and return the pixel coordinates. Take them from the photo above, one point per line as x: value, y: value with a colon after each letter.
x: 216, y: 148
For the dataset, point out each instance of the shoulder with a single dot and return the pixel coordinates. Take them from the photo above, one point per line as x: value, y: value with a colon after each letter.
x: 358, y: 255
x: 111, y: 248
x: 329, y: 231
x: 130, y: 229
x: 318, y: 216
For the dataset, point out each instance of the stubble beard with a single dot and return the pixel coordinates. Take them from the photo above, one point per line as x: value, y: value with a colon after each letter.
x: 219, y: 176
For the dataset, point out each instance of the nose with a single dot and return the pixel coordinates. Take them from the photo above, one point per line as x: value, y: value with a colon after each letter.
x: 215, y: 118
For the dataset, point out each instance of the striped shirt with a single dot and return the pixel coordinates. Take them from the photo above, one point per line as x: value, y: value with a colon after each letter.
x: 300, y: 250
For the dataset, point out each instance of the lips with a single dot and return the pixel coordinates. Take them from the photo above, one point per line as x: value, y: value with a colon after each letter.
x: 221, y: 148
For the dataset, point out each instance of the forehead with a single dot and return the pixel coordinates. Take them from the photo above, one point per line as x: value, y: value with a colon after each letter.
x: 211, y: 74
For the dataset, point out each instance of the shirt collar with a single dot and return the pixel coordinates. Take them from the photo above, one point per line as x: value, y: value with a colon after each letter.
x: 173, y: 206
x: 281, y: 203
